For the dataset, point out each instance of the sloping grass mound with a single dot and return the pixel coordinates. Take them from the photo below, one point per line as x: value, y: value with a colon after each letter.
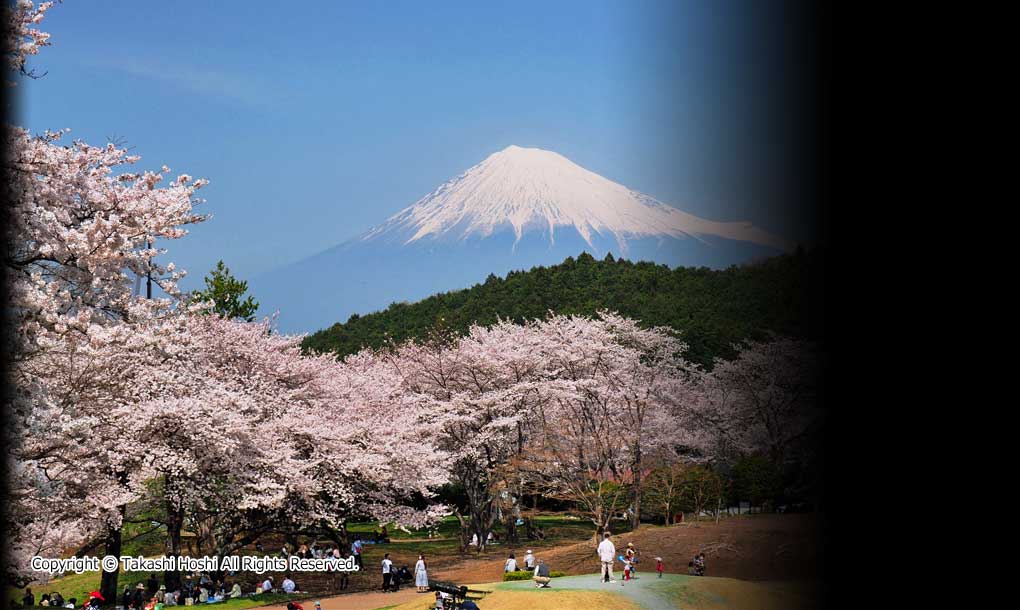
x: 539, y: 598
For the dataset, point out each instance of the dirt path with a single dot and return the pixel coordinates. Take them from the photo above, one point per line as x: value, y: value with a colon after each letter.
x: 360, y: 601
x: 753, y: 547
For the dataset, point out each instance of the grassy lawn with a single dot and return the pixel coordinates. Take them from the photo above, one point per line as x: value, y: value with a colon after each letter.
x: 553, y: 526
x: 79, y: 585
x: 405, y: 546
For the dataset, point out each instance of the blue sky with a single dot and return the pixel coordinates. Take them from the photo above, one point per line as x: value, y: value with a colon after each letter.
x: 317, y: 120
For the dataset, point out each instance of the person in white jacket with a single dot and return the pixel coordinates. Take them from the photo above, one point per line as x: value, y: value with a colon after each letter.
x: 607, y: 554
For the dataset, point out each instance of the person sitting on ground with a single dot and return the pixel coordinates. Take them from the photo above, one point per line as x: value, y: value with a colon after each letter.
x: 288, y: 584
x: 511, y: 564
x: 235, y: 591
x: 541, y: 576
x: 71, y: 603
x: 529, y: 560
x: 203, y: 594
x: 44, y: 601
x: 343, y: 573
x: 267, y: 584
x: 94, y: 600
x: 699, y: 564
x: 294, y: 606
x: 56, y: 600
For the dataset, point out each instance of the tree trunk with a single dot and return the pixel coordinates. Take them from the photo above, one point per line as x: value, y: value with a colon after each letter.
x: 174, y: 523
x: 108, y: 581
x: 636, y: 471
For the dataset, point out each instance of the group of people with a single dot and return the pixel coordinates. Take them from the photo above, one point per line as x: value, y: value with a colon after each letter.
x: 696, y: 566
x: 607, y: 556
x: 200, y: 588
x: 52, y: 600
x: 393, y: 576
x: 539, y: 570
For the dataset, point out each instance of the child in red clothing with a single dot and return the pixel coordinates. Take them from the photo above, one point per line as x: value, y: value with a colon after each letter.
x: 658, y: 566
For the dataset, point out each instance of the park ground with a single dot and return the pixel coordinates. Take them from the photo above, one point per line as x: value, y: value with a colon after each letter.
x: 754, y: 561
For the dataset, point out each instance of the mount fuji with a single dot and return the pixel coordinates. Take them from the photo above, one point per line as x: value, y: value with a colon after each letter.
x: 519, y: 208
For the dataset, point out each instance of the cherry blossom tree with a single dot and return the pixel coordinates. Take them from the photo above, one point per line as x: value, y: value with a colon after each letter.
x: 475, y: 396
x: 766, y: 399
x: 109, y: 386
x: 23, y: 39
x: 565, y: 405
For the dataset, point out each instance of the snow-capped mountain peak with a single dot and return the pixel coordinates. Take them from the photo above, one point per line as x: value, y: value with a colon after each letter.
x: 530, y: 189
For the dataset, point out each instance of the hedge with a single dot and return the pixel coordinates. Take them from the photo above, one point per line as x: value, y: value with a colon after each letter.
x: 527, y: 574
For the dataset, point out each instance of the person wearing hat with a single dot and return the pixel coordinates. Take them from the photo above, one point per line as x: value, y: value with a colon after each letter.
x: 529, y: 560
x: 138, y: 599
x: 630, y: 556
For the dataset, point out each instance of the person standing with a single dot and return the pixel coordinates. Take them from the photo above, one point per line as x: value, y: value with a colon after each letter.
x: 630, y: 556
x: 658, y: 566
x: 387, y: 575
x: 607, y: 554
x: 421, y: 575
x: 29, y: 600
x: 356, y: 547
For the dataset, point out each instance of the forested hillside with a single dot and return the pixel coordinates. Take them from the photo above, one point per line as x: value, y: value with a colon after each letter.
x: 712, y: 308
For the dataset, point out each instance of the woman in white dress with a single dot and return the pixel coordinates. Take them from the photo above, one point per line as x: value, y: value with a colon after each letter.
x: 421, y: 575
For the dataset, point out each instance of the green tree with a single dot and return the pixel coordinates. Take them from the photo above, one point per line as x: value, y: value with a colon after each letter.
x: 663, y: 493
x: 701, y: 490
x: 756, y: 479
x: 226, y: 292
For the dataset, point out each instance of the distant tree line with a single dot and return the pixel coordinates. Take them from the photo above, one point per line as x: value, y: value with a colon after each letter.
x: 713, y: 309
